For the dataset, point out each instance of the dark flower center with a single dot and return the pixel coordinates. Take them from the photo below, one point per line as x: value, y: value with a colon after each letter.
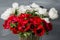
x: 33, y: 33
x: 38, y: 31
x: 32, y: 26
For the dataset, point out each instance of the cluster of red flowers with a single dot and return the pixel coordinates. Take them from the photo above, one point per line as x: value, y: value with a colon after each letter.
x: 27, y: 22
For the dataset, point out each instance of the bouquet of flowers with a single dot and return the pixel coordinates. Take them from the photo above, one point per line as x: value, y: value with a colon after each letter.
x: 30, y: 19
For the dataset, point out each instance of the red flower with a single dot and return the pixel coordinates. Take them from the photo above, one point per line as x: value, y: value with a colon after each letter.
x: 12, y: 19
x: 20, y: 28
x: 39, y: 31
x: 24, y: 28
x: 24, y: 22
x: 14, y: 30
x: 47, y: 26
x: 27, y: 27
x: 33, y: 27
x: 27, y: 22
x: 24, y: 15
x: 24, y: 18
x: 6, y: 24
x: 35, y: 20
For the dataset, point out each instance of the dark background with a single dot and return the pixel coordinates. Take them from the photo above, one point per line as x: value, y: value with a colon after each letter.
x: 53, y: 35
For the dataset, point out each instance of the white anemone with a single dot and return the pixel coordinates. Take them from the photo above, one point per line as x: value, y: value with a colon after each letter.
x: 6, y: 14
x: 53, y: 13
x: 15, y: 5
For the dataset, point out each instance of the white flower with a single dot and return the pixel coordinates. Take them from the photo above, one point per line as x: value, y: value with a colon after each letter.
x: 15, y: 5
x: 53, y: 13
x: 36, y: 9
x: 6, y: 14
x: 34, y: 5
x: 46, y: 19
x: 22, y: 9
x: 42, y: 11
x: 27, y: 7
x: 37, y: 13
x: 13, y: 10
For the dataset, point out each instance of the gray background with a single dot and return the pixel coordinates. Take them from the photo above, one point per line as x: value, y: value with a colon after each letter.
x: 53, y: 35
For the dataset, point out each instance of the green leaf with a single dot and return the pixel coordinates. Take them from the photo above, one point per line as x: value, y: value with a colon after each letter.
x: 25, y: 34
x: 28, y: 12
x: 47, y: 32
x: 42, y: 16
x: 16, y: 11
x: 21, y: 35
x: 28, y: 33
x: 12, y: 25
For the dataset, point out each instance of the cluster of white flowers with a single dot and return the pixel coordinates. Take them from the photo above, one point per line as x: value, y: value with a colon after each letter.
x: 52, y: 13
x: 9, y: 11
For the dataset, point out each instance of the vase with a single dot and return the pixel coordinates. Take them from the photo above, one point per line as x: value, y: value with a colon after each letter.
x: 33, y: 37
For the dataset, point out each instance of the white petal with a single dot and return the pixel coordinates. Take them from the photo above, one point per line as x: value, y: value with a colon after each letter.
x: 28, y: 8
x: 34, y: 5
x: 15, y: 5
x: 21, y: 6
x: 36, y: 9
x: 53, y: 13
x: 36, y: 12
x: 6, y: 14
x: 9, y: 10
x: 43, y: 11
x: 47, y: 20
x: 22, y: 9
